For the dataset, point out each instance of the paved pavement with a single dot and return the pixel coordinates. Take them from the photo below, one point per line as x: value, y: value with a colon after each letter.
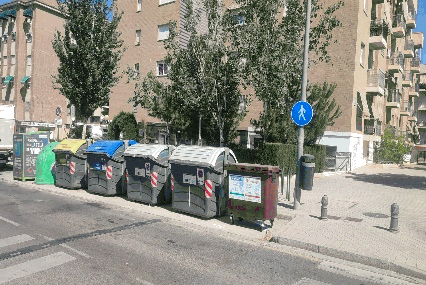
x: 359, y: 217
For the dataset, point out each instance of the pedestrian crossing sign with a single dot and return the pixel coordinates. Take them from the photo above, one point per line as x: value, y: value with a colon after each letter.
x: 302, y: 113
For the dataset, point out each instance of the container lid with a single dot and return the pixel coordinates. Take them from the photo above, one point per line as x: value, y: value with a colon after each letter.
x: 198, y: 155
x: 69, y: 145
x: 151, y: 151
x: 107, y: 147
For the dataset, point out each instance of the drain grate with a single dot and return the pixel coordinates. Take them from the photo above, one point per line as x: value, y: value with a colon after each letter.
x: 376, y: 215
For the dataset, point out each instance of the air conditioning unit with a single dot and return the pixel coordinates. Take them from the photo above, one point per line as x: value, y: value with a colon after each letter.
x: 29, y: 37
x: 11, y: 20
x: 4, y: 38
x: 13, y: 36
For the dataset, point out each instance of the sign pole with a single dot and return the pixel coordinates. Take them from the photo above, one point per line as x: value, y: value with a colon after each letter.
x: 301, y: 132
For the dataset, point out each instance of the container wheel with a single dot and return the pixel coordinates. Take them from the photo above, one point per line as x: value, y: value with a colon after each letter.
x: 232, y: 218
x: 272, y: 223
x: 240, y: 219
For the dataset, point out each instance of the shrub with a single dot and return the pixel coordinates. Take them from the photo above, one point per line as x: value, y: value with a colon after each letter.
x: 126, y: 124
x: 390, y: 149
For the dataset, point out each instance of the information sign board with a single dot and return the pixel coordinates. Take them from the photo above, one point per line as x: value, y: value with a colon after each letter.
x: 245, y: 188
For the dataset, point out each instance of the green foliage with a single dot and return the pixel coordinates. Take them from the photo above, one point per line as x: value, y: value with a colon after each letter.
x: 203, y: 81
x: 88, y: 51
x: 274, y: 61
x: 126, y: 124
x: 282, y: 155
x: 391, y: 149
x: 76, y: 132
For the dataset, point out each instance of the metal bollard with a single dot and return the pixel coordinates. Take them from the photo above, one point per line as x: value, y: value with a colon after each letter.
x: 394, y: 217
x: 324, y: 205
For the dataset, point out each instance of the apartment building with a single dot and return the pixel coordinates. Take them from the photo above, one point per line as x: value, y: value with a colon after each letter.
x: 374, y: 64
x: 420, y: 105
x: 27, y: 64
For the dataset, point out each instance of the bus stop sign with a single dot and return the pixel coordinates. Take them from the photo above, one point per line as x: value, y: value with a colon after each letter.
x: 302, y: 113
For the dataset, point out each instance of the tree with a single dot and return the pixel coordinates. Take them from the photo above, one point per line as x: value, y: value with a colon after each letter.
x: 391, y: 148
x: 203, y: 80
x: 272, y: 44
x: 123, y: 124
x: 88, y: 51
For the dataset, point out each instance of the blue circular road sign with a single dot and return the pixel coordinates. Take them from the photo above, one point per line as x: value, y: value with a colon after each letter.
x: 302, y: 113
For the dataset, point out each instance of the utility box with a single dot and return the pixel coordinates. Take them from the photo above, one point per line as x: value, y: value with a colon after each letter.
x: 26, y: 148
x: 148, y: 173
x: 307, y: 171
x: 71, y: 170
x: 252, y: 191
x: 45, y: 166
x: 197, y: 179
x: 106, y: 166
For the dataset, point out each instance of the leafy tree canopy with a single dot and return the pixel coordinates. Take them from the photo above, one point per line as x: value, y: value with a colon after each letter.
x: 88, y: 51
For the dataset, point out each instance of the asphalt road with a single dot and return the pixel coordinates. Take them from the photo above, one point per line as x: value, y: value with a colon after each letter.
x: 50, y: 239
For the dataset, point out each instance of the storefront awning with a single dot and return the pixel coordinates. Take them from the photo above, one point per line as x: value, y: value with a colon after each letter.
x: 24, y: 79
x: 8, y: 79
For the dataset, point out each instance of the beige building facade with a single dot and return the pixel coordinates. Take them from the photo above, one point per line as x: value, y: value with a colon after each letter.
x: 27, y: 65
x: 375, y: 64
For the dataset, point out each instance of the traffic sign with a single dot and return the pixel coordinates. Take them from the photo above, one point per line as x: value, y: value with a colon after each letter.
x: 302, y: 113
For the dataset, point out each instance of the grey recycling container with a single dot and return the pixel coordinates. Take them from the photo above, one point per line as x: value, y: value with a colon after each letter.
x: 70, y: 170
x: 106, y: 166
x: 197, y: 178
x: 148, y: 173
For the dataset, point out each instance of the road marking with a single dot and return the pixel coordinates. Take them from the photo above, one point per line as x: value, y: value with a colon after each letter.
x: 308, y: 281
x: 14, y: 240
x: 9, y: 221
x: 33, y: 266
x: 365, y: 274
x: 70, y: 248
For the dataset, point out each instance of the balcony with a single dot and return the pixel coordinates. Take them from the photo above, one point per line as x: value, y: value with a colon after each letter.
x: 415, y: 64
x: 413, y: 115
x: 411, y: 20
x: 421, y: 125
x: 418, y: 39
x: 406, y: 109
x: 421, y: 108
x: 409, y: 49
x: 407, y: 79
x: 379, y: 31
x: 398, y: 26
x: 422, y: 88
x: 394, y: 98
x: 414, y: 92
x: 371, y: 127
x: 396, y: 62
x: 375, y: 81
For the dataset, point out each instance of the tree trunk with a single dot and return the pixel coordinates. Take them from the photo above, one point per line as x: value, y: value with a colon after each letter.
x: 83, y: 135
x: 200, y: 143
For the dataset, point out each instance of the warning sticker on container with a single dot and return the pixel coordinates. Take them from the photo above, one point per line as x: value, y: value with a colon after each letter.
x: 245, y: 188
x: 190, y: 179
x: 147, y: 169
x: 140, y: 172
x: 200, y: 176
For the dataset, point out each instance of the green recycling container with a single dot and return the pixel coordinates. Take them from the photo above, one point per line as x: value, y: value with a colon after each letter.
x: 45, y: 165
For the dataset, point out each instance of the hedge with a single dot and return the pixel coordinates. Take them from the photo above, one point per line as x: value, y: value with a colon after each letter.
x: 282, y: 155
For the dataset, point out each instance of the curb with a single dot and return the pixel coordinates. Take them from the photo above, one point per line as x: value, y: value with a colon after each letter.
x: 352, y: 257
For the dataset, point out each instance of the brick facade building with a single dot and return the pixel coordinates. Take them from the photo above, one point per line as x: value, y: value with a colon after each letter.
x: 374, y: 64
x: 28, y: 62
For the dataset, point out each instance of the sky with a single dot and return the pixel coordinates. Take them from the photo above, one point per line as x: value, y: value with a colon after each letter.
x: 420, y: 27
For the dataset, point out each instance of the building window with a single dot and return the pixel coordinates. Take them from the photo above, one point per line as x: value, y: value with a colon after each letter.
x: 12, y: 60
x: 365, y: 6
x: 137, y: 67
x: 5, y: 60
x: 162, y: 2
x: 138, y: 37
x: 139, y: 6
x: 29, y: 60
x: 163, y: 32
x: 162, y: 69
x: 361, y: 56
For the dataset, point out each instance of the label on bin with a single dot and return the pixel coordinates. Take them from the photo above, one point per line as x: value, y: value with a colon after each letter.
x: 97, y: 166
x: 147, y: 169
x: 140, y: 172
x: 190, y: 179
x: 200, y: 176
x: 245, y: 188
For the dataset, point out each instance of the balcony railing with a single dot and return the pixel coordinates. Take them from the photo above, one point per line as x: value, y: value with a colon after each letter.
x: 394, y: 96
x: 406, y: 106
x: 415, y: 61
x: 397, y: 59
x: 375, y: 78
x: 422, y: 85
x: 379, y: 27
x: 409, y: 45
x: 411, y: 14
x: 407, y: 76
x: 399, y: 21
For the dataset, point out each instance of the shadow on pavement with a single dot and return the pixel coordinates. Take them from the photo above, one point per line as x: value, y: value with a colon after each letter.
x: 393, y: 180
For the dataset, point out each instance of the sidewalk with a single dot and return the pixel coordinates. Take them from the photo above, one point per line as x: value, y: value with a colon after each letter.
x: 358, y: 217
